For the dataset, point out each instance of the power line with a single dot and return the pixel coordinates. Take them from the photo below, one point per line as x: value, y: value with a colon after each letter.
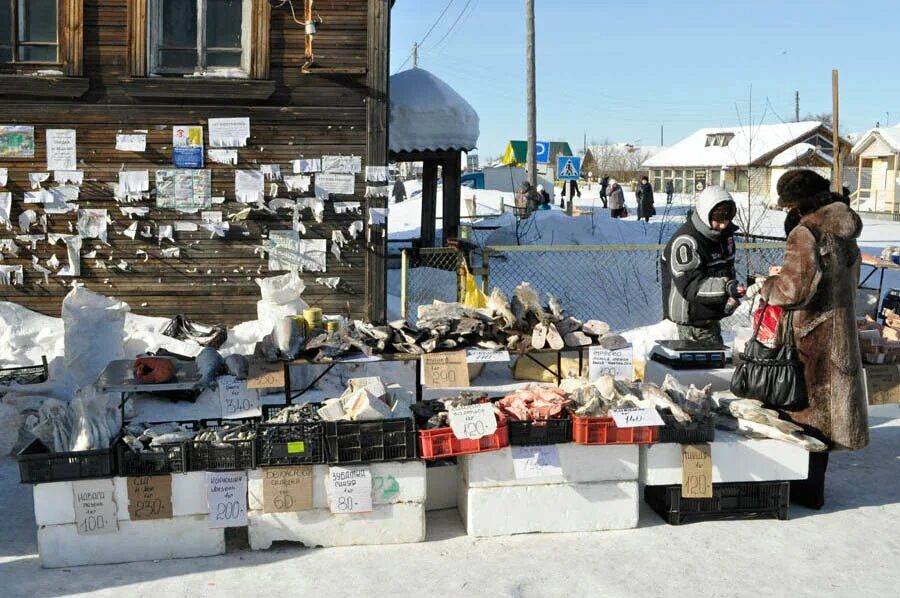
x: 433, y: 25
x: 455, y: 23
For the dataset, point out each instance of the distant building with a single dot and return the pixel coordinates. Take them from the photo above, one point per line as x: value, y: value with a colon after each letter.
x: 517, y: 153
x: 744, y: 159
x: 878, y: 173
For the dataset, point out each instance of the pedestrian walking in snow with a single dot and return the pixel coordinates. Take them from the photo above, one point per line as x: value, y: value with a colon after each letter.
x: 399, y: 191
x: 645, y: 200
x: 604, y: 185
x: 670, y: 192
x: 616, y: 200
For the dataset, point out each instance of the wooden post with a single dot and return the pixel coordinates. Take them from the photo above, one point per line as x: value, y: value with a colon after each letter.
x: 429, y: 201
x: 530, y: 92
x: 835, y: 137
x: 452, y: 173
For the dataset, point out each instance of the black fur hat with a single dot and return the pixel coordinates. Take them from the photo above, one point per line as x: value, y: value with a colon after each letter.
x: 799, y: 188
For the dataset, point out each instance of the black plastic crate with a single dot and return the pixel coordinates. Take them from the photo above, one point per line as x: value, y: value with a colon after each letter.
x: 540, y: 431
x: 270, y: 411
x: 228, y: 456
x: 38, y: 464
x: 703, y: 430
x: 290, y: 444
x: 29, y: 374
x: 741, y: 500
x: 171, y: 458
x: 367, y: 442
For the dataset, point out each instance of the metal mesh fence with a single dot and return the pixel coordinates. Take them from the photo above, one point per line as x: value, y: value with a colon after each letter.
x: 428, y: 275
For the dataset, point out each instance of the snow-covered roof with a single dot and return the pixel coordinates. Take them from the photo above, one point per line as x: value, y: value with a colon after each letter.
x: 890, y: 135
x: 747, y: 145
x: 427, y: 114
x: 800, y: 151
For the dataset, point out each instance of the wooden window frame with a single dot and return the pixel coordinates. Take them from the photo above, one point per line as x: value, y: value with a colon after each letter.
x: 69, y: 42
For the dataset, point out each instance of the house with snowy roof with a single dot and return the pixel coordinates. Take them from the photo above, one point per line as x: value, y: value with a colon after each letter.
x: 744, y: 159
x: 877, y: 156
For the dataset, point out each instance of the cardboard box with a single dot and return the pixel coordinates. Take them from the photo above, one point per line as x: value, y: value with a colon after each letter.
x: 882, y: 383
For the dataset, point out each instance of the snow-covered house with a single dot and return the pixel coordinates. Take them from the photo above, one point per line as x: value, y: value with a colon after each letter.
x: 878, y: 177
x: 744, y: 159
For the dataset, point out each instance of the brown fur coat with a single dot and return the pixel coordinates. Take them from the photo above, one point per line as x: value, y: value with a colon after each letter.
x: 818, y: 283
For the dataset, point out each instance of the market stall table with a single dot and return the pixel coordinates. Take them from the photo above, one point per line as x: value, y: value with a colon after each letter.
x: 118, y: 377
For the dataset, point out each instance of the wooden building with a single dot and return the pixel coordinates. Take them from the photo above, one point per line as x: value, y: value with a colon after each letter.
x: 878, y: 176
x: 103, y: 68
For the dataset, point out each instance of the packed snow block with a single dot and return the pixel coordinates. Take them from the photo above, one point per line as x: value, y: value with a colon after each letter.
x: 589, y: 507
x: 392, y: 482
x: 719, y: 379
x: 181, y: 537
x: 398, y: 523
x: 188, y: 495
x: 579, y: 463
x: 735, y: 459
x: 54, y: 503
x: 442, y: 482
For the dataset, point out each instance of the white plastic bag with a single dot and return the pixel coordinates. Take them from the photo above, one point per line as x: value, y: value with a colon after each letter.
x: 283, y: 289
x: 94, y: 331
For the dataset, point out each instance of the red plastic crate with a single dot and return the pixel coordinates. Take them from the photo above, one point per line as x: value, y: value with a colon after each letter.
x: 603, y: 430
x: 440, y: 443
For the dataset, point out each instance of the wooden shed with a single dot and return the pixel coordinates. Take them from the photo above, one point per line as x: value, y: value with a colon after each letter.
x: 311, y: 77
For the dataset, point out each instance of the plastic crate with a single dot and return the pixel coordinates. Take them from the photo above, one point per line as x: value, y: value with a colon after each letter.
x: 29, y: 374
x: 703, y: 430
x: 371, y: 441
x: 740, y: 500
x: 441, y: 443
x: 38, y: 464
x: 603, y: 430
x: 290, y: 444
x: 540, y: 431
x: 228, y: 456
x: 172, y: 458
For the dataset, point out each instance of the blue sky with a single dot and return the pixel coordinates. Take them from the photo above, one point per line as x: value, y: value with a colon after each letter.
x: 619, y: 70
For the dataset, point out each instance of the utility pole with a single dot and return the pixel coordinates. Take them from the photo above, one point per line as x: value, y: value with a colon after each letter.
x: 796, y: 106
x: 835, y: 138
x: 532, y: 107
x: 415, y: 54
x: 662, y: 141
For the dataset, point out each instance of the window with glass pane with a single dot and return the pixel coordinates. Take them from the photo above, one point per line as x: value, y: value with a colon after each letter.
x: 29, y: 31
x: 198, y: 35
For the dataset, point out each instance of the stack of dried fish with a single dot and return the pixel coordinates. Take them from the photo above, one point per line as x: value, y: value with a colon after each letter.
x: 535, y: 403
x: 143, y: 438
x: 365, y: 399
x: 435, y: 413
x: 220, y: 437
x: 750, y: 418
x: 296, y: 414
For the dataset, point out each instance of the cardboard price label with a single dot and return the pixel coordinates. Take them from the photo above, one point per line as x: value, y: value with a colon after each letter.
x: 618, y: 364
x: 226, y: 496
x: 536, y: 461
x: 237, y: 400
x: 287, y: 489
x: 150, y: 497
x: 486, y: 356
x: 445, y: 370
x: 95, y: 507
x: 473, y: 421
x: 635, y: 418
x: 350, y: 490
x: 265, y: 375
x: 696, y: 471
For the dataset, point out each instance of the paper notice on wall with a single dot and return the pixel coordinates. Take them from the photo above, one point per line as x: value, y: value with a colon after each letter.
x: 183, y: 190
x: 16, y: 141
x: 42, y: 196
x: 12, y: 275
x: 131, y: 143
x: 36, y: 178
x: 132, y: 212
x: 64, y: 177
x: 249, y: 186
x: 4, y: 175
x: 272, y: 172
x: 185, y: 227
x: 345, y: 164
x: 223, y: 156
x: 187, y: 146
x: 336, y: 184
x: 343, y: 207
x: 287, y: 251
x: 134, y: 183
x: 92, y: 224
x: 315, y: 205
x: 8, y: 246
x: 307, y: 166
x: 131, y: 231
x: 61, y: 149
x: 211, y: 217
x: 229, y: 132
x: 297, y: 182
x: 166, y: 232
x: 5, y: 209
x: 378, y: 216
x: 378, y: 174
x: 73, y: 245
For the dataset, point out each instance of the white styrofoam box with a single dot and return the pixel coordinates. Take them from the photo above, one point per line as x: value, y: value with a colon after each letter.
x: 54, y: 503
x: 717, y: 378
x: 182, y: 537
x: 735, y: 459
x: 398, y: 523
x: 579, y: 463
x: 392, y: 482
x: 442, y: 481
x: 188, y: 495
x: 508, y: 510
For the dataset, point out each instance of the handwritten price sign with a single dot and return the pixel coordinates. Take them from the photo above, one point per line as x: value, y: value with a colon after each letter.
x: 696, y: 471
x: 445, y: 370
x: 635, y: 418
x: 150, y: 497
x: 350, y: 490
x: 473, y: 421
x: 237, y: 400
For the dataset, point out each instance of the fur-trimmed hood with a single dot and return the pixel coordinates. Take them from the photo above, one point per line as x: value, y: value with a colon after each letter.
x: 835, y: 218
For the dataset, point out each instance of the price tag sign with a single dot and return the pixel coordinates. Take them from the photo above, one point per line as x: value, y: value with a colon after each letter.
x: 473, y: 421
x: 696, y: 471
x: 486, y: 356
x: 150, y: 497
x: 265, y: 375
x: 350, y: 490
x: 445, y: 370
x: 287, y: 489
x: 536, y: 461
x: 237, y: 400
x: 618, y: 364
x: 635, y: 418
x: 95, y: 507
x: 226, y: 496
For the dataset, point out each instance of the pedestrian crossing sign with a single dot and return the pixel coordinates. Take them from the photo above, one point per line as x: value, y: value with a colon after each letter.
x: 568, y: 168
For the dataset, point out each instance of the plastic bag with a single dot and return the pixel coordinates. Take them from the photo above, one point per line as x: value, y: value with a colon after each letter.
x: 473, y: 297
x: 281, y: 289
x: 94, y: 333
x: 768, y: 329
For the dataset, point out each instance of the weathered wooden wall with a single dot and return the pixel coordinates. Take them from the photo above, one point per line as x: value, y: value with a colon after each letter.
x: 307, y: 116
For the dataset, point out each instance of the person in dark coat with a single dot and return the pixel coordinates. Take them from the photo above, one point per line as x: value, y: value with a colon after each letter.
x: 399, y: 191
x: 527, y: 200
x: 818, y: 284
x: 699, y: 281
x: 670, y: 191
x: 604, y: 185
x: 645, y: 200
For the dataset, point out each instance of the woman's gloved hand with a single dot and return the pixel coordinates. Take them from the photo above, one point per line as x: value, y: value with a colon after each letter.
x: 153, y: 370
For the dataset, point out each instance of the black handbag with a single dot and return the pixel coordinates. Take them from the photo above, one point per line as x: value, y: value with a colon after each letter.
x: 773, y: 376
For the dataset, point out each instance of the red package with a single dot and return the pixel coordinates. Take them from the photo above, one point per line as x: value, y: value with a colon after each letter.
x: 770, y: 315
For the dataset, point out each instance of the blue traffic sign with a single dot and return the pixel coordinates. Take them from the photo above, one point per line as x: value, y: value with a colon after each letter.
x: 568, y: 168
x: 542, y: 152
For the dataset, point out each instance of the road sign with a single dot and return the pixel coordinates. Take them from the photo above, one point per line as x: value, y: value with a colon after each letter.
x: 568, y: 168
x: 542, y: 152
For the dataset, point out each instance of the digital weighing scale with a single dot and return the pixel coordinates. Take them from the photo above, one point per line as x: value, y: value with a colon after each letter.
x: 690, y: 355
